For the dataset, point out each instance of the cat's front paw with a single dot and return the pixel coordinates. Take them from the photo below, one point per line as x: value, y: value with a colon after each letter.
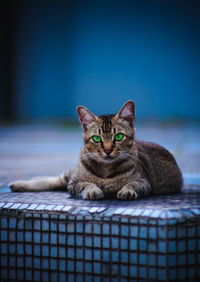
x: 127, y: 193
x: 18, y: 186
x: 92, y: 192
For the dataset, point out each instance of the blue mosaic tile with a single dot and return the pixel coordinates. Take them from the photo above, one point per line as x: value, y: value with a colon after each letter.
x: 12, y: 223
x: 133, y: 258
x: 152, y: 232
x: 79, y: 253
x: 156, y: 213
x: 70, y: 240
x: 172, y: 260
x: 115, y: 256
x: 191, y: 244
x: 143, y: 272
x: 182, y: 259
x: 37, y: 251
x: 20, y: 262
x: 181, y: 273
x: 152, y: 273
x: 124, y: 244
x: 28, y: 249
x: 36, y: 237
x: 152, y: 259
x: 28, y: 261
x: 41, y: 207
x: 106, y: 242
x: 133, y: 244
x: 162, y: 260
x: 49, y: 207
x: 4, y: 235
x: 58, y: 208
x: 62, y: 227
x: 142, y: 245
x: 105, y: 255
x: 191, y: 232
x: 79, y: 266
x: 79, y: 240
x: 45, y: 237
x: 12, y: 235
x: 20, y: 224
x: 97, y: 268
x: 192, y: 273
x: 32, y: 207
x: 4, y: 273
x: 3, y: 248
x: 2, y: 204
x: 53, y: 264
x: 45, y: 251
x: 20, y: 249
x: 106, y: 229
x: 62, y: 266
x: 133, y: 271
x: 62, y: 239
x: 191, y: 258
x: 70, y: 253
x: 37, y: 224
x: 125, y: 230
x: 134, y: 231
x: 172, y: 274
x: 53, y: 251
x: 162, y: 274
x: 62, y: 252
x: 97, y: 254
x: 97, y: 241
x: 45, y: 276
x: 124, y: 257
x: 36, y: 263
x: 12, y: 274
x: 70, y: 266
x: 142, y: 259
x: 162, y: 246
x: 12, y: 249
x: 79, y: 227
x: 53, y: 238
x: 53, y: 276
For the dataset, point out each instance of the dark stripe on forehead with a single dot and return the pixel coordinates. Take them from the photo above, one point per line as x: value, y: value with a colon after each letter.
x: 106, y: 123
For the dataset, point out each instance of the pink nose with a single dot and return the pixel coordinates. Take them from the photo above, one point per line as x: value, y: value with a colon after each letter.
x: 107, y: 146
x: 108, y: 150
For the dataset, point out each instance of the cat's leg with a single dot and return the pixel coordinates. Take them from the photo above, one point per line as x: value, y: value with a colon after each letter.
x: 87, y: 190
x: 40, y: 184
x: 134, y: 190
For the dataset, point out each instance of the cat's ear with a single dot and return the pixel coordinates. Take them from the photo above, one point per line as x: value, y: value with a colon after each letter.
x: 85, y: 116
x: 127, y: 112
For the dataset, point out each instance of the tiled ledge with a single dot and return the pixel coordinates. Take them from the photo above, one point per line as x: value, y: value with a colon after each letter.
x: 49, y: 236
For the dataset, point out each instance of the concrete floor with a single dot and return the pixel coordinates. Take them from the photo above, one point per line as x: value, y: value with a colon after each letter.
x: 37, y: 150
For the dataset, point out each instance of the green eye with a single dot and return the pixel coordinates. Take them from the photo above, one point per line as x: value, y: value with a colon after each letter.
x: 96, y: 138
x: 119, y: 136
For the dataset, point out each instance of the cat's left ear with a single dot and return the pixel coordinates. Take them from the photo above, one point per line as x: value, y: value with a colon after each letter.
x: 127, y: 112
x: 85, y: 117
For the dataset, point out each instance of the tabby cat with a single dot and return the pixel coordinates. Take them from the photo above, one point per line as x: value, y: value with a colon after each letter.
x: 112, y: 163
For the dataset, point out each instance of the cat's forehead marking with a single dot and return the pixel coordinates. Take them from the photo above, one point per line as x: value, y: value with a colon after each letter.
x: 106, y: 124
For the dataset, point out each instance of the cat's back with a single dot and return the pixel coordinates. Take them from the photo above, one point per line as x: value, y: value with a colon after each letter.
x: 161, y: 167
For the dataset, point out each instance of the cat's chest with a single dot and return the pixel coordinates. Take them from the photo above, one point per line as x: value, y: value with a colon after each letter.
x: 108, y: 185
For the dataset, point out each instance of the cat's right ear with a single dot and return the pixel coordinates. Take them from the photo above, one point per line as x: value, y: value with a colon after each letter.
x: 85, y: 117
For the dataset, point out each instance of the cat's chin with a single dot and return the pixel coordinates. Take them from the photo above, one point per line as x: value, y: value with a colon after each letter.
x: 109, y: 159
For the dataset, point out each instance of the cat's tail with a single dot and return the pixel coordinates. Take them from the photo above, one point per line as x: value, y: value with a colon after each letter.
x: 41, y: 184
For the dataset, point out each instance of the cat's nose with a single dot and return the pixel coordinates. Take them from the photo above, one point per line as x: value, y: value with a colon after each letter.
x: 108, y: 151
x: 107, y: 146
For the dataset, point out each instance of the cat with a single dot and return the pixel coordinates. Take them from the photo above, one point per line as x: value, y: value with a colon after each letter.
x: 113, y: 164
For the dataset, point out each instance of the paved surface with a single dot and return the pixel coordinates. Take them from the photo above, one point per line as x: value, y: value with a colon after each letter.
x: 38, y: 150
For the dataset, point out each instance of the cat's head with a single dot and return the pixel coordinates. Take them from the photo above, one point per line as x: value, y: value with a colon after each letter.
x: 108, y: 137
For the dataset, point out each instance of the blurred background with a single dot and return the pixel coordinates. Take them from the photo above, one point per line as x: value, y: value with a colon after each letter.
x: 56, y: 55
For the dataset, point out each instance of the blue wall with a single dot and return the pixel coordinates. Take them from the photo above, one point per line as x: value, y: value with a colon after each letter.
x: 102, y: 53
